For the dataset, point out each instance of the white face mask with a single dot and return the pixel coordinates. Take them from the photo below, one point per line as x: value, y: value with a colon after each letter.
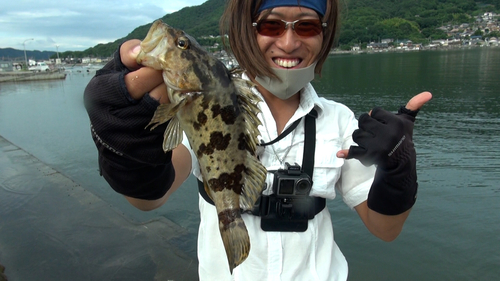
x: 292, y: 81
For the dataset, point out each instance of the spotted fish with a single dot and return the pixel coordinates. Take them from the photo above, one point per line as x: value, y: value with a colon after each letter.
x: 218, y: 113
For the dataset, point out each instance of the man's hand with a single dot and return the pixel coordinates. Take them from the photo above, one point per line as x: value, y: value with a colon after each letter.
x: 386, y: 139
x: 376, y: 130
x: 141, y: 80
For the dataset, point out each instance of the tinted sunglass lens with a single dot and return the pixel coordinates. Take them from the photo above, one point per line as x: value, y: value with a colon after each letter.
x: 271, y: 27
x: 306, y: 28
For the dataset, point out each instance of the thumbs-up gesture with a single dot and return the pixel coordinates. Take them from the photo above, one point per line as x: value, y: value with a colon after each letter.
x: 382, y: 133
x: 386, y: 139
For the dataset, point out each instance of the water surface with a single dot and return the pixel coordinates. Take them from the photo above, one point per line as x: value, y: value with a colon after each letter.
x: 452, y: 232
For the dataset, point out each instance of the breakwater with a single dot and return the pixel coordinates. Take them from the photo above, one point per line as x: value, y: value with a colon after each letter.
x: 18, y: 76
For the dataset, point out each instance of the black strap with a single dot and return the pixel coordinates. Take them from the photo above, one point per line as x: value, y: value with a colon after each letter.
x: 203, y: 192
x: 308, y: 156
x: 284, y: 134
x: 309, y: 143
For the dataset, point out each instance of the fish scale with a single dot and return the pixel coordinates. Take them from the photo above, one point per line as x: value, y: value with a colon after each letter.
x: 217, y: 111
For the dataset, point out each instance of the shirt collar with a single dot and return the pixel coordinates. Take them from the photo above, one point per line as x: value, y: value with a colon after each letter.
x: 309, y: 99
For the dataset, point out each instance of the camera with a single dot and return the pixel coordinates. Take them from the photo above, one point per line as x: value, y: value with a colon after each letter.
x: 290, y: 207
x: 291, y: 182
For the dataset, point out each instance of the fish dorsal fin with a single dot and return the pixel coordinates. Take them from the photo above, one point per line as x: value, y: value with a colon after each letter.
x: 253, y: 183
x: 255, y: 173
x: 247, y: 102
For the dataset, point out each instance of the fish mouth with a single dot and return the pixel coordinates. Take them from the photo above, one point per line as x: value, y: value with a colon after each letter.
x: 175, y: 82
x: 174, y: 90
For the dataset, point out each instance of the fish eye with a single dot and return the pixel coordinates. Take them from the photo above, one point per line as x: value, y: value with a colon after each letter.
x: 183, y: 43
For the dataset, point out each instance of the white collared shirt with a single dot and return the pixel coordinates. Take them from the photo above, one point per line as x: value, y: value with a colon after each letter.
x: 309, y: 255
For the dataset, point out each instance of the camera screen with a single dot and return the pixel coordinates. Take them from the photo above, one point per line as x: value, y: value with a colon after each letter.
x: 286, y: 186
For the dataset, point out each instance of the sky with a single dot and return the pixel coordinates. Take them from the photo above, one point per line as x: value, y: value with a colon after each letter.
x: 70, y: 25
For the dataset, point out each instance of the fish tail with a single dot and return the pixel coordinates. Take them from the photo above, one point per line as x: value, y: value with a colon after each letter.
x: 235, y: 238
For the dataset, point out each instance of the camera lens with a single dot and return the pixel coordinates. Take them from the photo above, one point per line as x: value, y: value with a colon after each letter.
x: 303, y: 186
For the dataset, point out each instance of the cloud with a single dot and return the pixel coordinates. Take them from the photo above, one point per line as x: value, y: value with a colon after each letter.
x: 77, y: 25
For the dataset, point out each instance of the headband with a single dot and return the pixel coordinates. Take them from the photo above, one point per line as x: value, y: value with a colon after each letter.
x: 318, y: 5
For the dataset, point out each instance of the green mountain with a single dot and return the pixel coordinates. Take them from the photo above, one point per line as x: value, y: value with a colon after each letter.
x: 362, y: 21
x: 13, y: 54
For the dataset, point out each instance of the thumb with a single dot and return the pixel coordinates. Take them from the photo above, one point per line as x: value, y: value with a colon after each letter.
x: 418, y: 101
x: 128, y: 53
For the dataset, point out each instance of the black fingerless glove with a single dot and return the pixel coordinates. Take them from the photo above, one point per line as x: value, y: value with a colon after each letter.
x: 385, y: 139
x: 131, y: 158
x: 118, y: 122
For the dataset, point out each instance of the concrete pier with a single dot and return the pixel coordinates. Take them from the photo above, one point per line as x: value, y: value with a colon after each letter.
x: 52, y: 228
x: 19, y: 76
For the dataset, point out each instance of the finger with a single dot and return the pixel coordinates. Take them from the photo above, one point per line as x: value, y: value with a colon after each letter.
x: 142, y: 81
x: 367, y: 124
x: 381, y: 115
x: 357, y: 152
x: 363, y: 136
x: 342, y: 153
x: 418, y: 101
x: 160, y: 93
x: 128, y: 53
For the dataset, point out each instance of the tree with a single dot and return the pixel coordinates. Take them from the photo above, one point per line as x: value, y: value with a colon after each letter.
x: 398, y: 28
x: 478, y: 32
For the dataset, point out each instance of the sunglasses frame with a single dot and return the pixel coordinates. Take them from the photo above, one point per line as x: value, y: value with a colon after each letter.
x: 257, y: 24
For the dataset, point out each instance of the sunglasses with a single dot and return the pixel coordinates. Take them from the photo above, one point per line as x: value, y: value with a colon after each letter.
x: 275, y: 28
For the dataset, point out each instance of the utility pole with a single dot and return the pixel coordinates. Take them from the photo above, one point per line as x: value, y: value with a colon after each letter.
x: 24, y: 46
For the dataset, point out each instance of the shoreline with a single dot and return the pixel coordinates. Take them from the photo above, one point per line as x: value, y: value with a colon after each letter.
x: 405, y: 50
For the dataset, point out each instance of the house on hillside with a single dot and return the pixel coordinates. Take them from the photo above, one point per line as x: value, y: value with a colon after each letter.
x: 377, y: 46
x: 403, y: 44
x: 492, y: 41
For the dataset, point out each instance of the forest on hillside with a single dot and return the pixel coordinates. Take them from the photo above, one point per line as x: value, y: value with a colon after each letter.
x: 362, y: 21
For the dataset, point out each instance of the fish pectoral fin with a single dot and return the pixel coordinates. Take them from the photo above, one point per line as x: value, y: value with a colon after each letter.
x: 163, y: 113
x: 173, y: 135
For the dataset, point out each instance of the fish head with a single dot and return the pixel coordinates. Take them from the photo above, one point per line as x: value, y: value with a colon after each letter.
x: 187, y: 67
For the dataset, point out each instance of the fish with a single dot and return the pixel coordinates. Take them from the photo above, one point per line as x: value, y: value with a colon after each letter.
x: 217, y: 111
